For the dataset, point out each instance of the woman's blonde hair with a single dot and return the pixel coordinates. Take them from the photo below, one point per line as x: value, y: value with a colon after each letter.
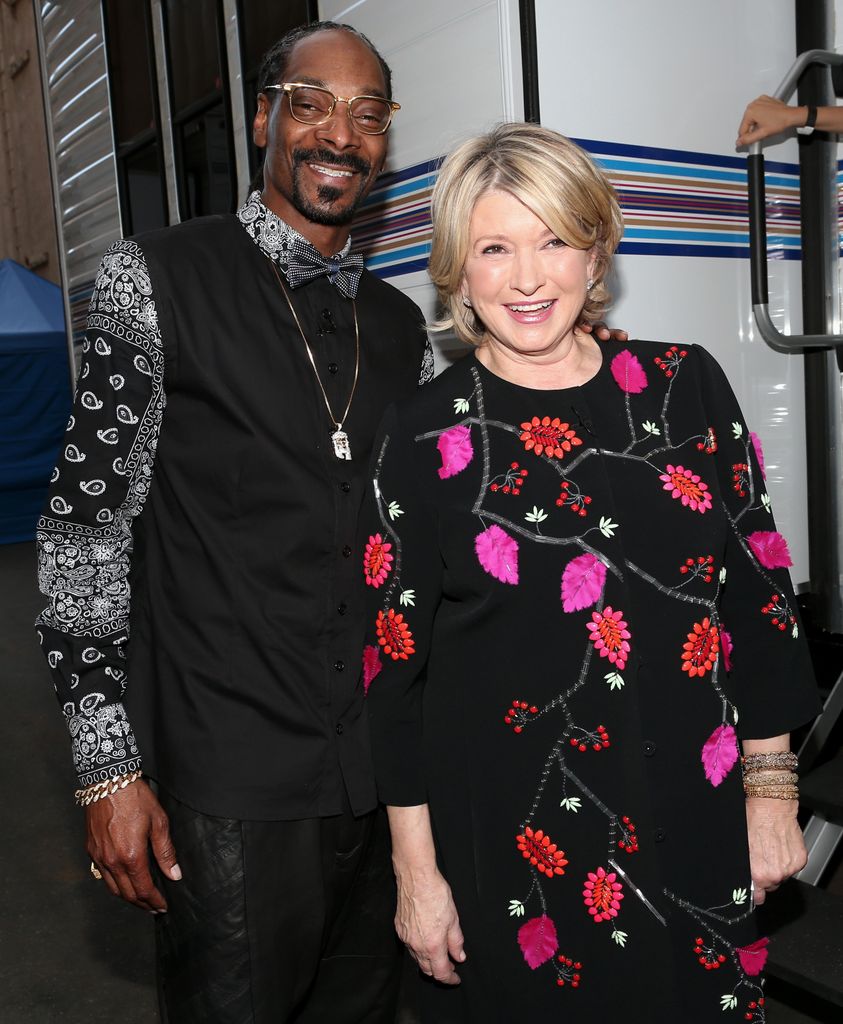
x: 552, y: 177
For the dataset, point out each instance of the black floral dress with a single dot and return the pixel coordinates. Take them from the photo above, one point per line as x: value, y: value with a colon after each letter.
x: 579, y: 606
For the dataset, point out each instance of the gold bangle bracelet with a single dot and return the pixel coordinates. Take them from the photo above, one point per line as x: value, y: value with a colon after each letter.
x: 109, y: 787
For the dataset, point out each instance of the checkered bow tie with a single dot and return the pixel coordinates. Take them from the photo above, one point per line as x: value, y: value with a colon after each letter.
x: 305, y: 263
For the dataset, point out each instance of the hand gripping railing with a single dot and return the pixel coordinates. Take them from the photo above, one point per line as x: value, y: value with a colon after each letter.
x: 758, y: 224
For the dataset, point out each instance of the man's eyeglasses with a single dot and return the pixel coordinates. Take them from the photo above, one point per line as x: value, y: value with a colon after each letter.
x: 310, y: 104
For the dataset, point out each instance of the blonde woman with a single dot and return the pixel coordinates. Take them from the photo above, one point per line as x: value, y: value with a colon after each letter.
x: 581, y: 619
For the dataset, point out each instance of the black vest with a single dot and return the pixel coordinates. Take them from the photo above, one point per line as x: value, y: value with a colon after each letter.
x: 244, y: 661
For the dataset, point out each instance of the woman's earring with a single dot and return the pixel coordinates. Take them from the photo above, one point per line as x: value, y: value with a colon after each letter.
x: 466, y: 302
x: 590, y: 284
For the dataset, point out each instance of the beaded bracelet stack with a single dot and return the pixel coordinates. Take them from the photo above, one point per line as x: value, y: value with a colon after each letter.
x: 771, y: 775
x: 91, y: 794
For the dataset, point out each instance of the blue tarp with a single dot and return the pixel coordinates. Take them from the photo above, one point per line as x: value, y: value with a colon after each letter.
x: 34, y: 395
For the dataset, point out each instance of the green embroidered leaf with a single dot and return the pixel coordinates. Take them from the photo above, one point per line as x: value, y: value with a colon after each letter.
x: 394, y: 510
x: 571, y: 803
x: 739, y: 896
x: 765, y: 501
x: 795, y: 631
x: 735, y: 715
x: 516, y: 908
x: 651, y: 428
x: 619, y: 937
x: 728, y: 1001
x: 615, y: 680
x: 461, y: 405
x: 737, y: 429
x: 538, y: 515
x: 723, y: 574
x: 408, y: 597
x: 607, y: 527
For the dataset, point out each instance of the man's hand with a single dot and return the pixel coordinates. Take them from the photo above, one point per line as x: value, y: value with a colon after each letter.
x: 604, y: 333
x: 427, y: 922
x: 120, y: 829
x: 767, y: 116
x: 776, y: 847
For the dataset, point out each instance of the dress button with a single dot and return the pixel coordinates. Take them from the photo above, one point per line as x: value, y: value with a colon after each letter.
x: 342, y: 607
x: 649, y: 748
x: 346, y: 552
x: 345, y: 486
x: 332, y: 368
x: 660, y: 835
x: 339, y: 665
x: 339, y: 728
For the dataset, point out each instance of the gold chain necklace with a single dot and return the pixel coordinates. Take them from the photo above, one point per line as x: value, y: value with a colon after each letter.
x: 342, y: 448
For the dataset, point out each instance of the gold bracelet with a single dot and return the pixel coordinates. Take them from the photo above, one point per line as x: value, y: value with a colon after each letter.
x: 782, y: 759
x: 109, y: 787
x: 772, y: 792
x: 765, y: 777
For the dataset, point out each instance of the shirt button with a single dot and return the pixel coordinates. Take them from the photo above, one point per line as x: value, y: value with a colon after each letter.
x: 660, y: 835
x: 332, y: 368
x: 339, y: 665
x: 339, y: 728
x: 346, y: 551
x: 345, y: 486
x: 649, y: 748
x: 342, y: 607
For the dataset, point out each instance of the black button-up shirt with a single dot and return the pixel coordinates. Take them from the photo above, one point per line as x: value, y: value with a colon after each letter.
x: 199, y: 508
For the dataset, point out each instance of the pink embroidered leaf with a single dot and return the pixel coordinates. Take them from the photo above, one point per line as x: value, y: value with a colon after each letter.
x: 629, y: 373
x: 582, y: 582
x: 498, y: 554
x: 372, y: 665
x: 720, y: 754
x: 456, y: 450
x: 754, y: 956
x: 759, y: 451
x: 726, y: 646
x: 770, y: 548
x: 537, y: 939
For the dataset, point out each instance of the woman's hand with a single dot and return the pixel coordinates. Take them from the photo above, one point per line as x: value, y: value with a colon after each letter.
x: 776, y: 847
x: 427, y: 922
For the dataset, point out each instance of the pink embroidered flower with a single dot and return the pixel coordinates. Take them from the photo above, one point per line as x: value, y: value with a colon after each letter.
x: 726, y: 647
x: 754, y: 956
x: 372, y: 665
x: 497, y: 552
x: 770, y: 548
x: 537, y: 939
x: 377, y: 561
x: 602, y: 895
x: 628, y: 373
x: 720, y: 753
x: 456, y: 450
x: 688, y: 487
x: 610, y: 635
x: 759, y: 452
x: 582, y: 582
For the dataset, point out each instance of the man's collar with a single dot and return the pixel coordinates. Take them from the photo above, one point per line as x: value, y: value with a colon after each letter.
x: 271, y: 234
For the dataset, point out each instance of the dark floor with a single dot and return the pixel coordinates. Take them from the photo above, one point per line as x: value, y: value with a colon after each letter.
x: 69, y: 951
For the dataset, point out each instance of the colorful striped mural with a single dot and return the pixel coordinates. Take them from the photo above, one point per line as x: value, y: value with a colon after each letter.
x: 674, y: 202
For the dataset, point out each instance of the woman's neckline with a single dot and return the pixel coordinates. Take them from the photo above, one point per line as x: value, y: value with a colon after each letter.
x: 485, y: 371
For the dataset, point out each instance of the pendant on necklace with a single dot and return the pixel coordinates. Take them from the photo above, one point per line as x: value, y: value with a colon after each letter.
x: 342, y: 449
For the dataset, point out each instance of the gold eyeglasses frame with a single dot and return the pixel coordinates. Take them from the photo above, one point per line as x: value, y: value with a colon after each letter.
x: 288, y: 87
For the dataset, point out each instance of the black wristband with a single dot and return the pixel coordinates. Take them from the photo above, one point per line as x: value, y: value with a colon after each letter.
x: 810, y: 121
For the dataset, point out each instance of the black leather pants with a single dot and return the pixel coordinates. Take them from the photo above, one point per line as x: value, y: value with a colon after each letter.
x: 278, y: 922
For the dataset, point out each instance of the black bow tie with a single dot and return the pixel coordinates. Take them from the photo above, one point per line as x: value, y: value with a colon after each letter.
x: 305, y: 263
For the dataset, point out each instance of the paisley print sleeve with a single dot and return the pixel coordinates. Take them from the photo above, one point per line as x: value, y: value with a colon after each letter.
x: 765, y: 656
x: 426, y: 371
x: 85, y: 534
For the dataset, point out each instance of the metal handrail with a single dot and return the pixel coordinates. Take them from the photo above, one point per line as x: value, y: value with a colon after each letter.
x: 758, y: 223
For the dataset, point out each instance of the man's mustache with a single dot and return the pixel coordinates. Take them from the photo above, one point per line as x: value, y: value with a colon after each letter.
x: 329, y: 159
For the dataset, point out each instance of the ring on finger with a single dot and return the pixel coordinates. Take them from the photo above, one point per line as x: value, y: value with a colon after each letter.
x: 95, y: 871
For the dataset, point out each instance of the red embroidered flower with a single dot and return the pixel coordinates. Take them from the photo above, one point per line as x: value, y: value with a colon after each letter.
x: 740, y: 478
x: 669, y: 362
x: 628, y: 840
x: 519, y: 714
x: 394, y: 635
x: 701, y: 566
x: 541, y: 852
x: 610, y: 635
x: 548, y: 436
x: 377, y: 561
x: 688, y: 487
x: 568, y: 972
x: 597, y: 739
x: 707, y: 956
x: 571, y: 495
x: 708, y: 443
x: 602, y: 895
x: 699, y: 652
x: 779, y: 612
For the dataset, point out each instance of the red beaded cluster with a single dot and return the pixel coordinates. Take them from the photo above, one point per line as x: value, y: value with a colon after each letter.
x: 572, y: 496
x: 709, y: 959
x: 740, y: 478
x: 509, y: 482
x: 702, y: 566
x: 628, y: 840
x: 780, y: 616
x: 568, y: 972
x: 597, y: 740
x: 755, y: 1010
x: 543, y: 854
x: 519, y: 714
x: 708, y: 443
x: 671, y: 360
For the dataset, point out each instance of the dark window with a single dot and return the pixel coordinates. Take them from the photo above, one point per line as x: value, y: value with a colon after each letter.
x: 132, y: 82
